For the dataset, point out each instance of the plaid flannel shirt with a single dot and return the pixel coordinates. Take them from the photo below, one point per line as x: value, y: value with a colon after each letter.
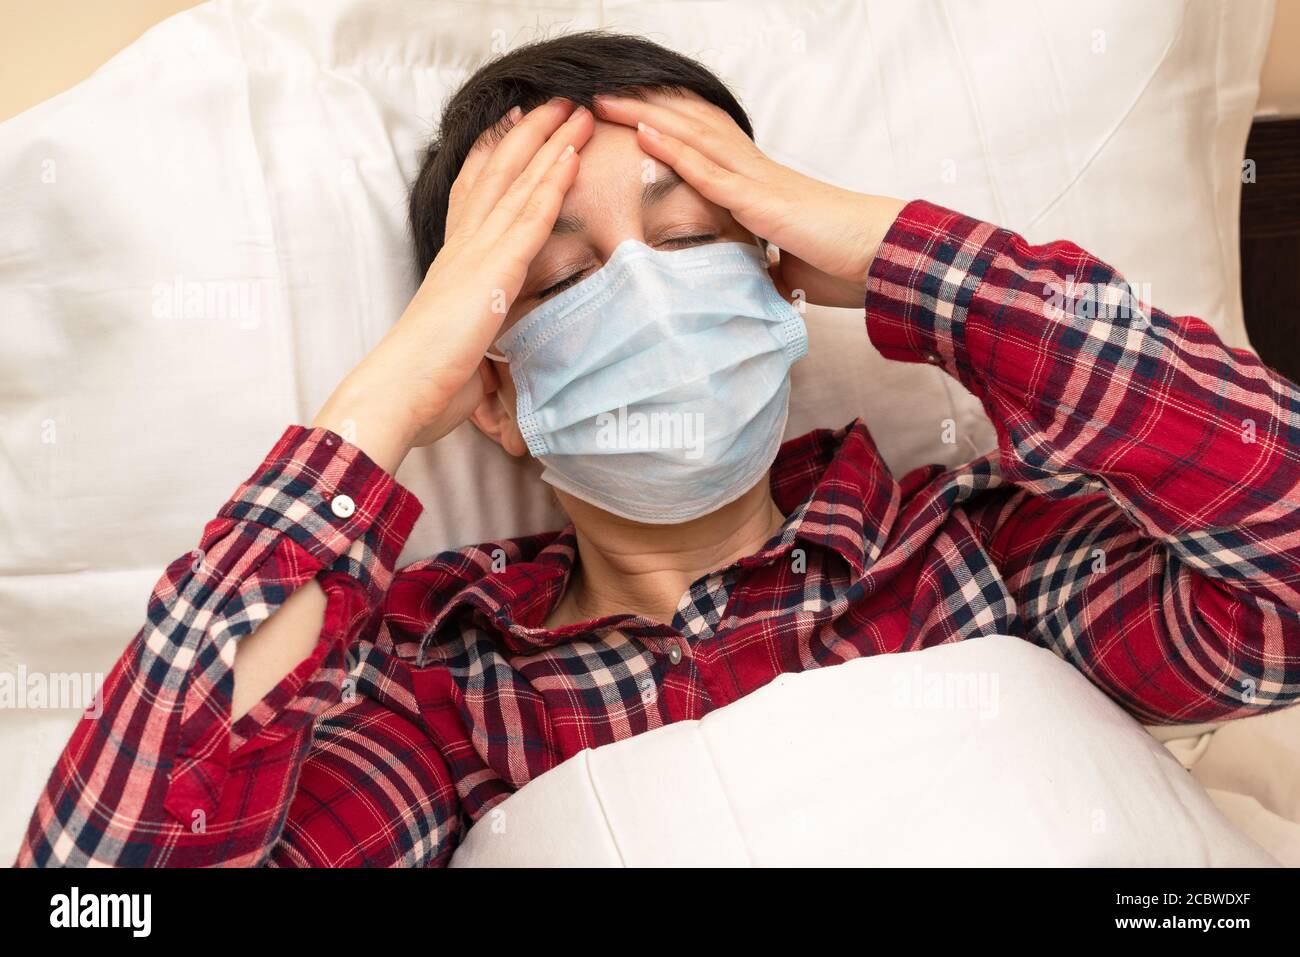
x: 1140, y: 518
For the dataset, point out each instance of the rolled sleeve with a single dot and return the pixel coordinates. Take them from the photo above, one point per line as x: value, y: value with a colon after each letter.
x: 922, y: 280
x: 316, y: 505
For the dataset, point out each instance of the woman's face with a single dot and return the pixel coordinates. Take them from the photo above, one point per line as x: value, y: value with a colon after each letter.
x: 620, y: 193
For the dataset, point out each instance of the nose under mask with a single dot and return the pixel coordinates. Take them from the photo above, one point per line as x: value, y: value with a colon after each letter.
x: 658, y: 387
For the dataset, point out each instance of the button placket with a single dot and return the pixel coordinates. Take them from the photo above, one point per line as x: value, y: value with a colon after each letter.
x: 694, y: 621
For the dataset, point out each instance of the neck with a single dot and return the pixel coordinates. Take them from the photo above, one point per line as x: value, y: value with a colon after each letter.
x: 629, y: 567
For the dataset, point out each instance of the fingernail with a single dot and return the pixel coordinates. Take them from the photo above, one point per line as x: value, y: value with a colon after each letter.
x: 578, y: 111
x: 515, y: 114
x: 568, y: 151
x: 647, y: 129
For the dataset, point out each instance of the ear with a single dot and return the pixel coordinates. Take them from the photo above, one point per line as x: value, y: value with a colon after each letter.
x: 494, y: 415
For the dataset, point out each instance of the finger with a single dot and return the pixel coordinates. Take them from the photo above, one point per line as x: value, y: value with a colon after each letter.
x: 510, y: 157
x: 524, y: 239
x: 493, y: 136
x: 713, y: 134
x: 694, y: 106
x: 716, y: 184
x: 473, y: 164
x: 575, y: 132
x: 482, y: 149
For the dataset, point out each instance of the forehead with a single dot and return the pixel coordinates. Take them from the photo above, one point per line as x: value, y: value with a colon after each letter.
x: 614, y: 168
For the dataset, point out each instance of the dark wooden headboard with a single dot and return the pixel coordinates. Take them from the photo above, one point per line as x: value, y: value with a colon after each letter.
x: 1270, y: 244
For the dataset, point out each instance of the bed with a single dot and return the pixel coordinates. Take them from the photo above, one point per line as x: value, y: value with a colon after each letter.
x: 206, y: 234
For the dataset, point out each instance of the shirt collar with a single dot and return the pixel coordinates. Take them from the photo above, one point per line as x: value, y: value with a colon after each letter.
x: 833, y: 485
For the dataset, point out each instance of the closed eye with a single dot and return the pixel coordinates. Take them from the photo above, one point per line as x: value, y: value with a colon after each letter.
x: 563, y: 284
x: 690, y: 240
x: 574, y: 278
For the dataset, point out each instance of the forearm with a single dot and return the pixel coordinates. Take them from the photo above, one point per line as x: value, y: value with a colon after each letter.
x: 206, y: 718
x: 1143, y: 504
x: 1091, y: 390
x: 279, y: 645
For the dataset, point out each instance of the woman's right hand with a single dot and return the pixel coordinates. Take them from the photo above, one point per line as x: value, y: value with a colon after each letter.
x: 428, y: 373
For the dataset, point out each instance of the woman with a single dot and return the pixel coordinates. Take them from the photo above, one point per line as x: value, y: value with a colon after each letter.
x: 293, y: 701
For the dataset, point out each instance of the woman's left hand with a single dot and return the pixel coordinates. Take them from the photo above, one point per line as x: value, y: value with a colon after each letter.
x: 827, y: 236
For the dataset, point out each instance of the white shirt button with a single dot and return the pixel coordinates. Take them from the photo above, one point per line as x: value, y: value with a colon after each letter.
x: 932, y: 357
x: 343, y: 506
x: 675, y: 654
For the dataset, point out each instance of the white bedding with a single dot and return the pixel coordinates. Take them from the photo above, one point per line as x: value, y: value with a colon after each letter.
x: 204, y: 236
x: 1251, y: 770
x: 989, y: 751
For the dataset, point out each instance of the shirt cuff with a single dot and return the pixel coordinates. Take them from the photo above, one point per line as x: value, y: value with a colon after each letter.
x: 921, y: 283
x: 329, y: 497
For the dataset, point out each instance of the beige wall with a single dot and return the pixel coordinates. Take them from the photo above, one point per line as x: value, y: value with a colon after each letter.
x: 47, y: 46
x: 1280, y: 82
x: 50, y: 45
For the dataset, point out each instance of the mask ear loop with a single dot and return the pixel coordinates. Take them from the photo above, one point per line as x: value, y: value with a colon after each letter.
x: 499, y: 358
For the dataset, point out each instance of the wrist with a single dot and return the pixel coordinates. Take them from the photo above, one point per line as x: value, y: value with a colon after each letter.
x: 379, y: 432
x: 878, y: 215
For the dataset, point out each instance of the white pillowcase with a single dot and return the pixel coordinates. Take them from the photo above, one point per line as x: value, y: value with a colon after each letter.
x: 990, y: 751
x: 203, y: 237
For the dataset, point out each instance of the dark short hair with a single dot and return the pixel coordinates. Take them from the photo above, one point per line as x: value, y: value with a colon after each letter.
x: 577, y: 66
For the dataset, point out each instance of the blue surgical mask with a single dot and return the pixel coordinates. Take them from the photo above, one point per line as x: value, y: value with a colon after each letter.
x: 658, y: 387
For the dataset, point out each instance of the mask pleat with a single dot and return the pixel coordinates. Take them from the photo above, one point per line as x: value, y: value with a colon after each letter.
x: 655, y: 388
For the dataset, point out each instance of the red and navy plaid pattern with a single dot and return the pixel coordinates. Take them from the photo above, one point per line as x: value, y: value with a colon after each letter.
x: 1140, y: 518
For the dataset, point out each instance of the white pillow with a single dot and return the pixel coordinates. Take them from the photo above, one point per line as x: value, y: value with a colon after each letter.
x: 253, y: 158
x: 990, y: 751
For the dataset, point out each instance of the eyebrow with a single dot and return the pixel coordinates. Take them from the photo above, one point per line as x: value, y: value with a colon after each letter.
x: 651, y: 193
